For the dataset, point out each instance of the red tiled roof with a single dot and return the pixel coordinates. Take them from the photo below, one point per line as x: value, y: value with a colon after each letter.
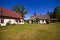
x: 9, y: 13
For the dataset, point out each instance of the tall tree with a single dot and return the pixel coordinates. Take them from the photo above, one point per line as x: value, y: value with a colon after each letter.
x: 56, y: 13
x: 34, y: 13
x: 16, y: 8
x: 50, y: 14
x: 22, y: 10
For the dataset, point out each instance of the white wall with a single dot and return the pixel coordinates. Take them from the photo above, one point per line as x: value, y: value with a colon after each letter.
x: 42, y: 21
x: 22, y: 21
x: 12, y: 21
x: 0, y: 21
x: 30, y: 21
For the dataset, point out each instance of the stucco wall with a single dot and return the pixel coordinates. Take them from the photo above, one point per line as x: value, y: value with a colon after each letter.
x: 11, y: 21
x: 22, y: 21
x: 42, y: 21
x: 0, y: 21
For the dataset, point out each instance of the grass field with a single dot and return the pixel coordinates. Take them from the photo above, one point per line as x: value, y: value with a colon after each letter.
x: 31, y: 32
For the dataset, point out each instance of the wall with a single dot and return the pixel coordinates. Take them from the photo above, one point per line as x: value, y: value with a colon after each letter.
x: 0, y: 21
x: 12, y: 21
x: 42, y: 21
x: 22, y: 21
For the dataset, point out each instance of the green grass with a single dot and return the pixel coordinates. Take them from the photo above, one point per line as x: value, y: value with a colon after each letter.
x: 31, y: 32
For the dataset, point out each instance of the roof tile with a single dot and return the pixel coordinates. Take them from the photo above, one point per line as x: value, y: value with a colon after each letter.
x: 9, y: 13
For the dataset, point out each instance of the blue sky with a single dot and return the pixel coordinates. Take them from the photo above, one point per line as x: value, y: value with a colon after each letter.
x: 38, y: 6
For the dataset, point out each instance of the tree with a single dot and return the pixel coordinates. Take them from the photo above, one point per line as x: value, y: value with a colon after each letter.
x: 16, y: 8
x: 37, y: 20
x: 19, y: 9
x: 56, y: 13
x: 23, y: 11
x: 50, y: 14
x: 34, y: 13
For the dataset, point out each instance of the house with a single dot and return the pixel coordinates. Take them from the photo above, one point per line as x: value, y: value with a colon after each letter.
x: 10, y: 16
x: 42, y: 19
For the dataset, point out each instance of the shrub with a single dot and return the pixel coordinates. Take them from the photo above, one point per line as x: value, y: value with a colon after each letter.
x: 0, y: 25
x: 7, y: 23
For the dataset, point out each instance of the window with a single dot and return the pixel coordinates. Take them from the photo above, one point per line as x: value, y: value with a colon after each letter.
x: 19, y: 21
x: 2, y: 20
x: 42, y: 20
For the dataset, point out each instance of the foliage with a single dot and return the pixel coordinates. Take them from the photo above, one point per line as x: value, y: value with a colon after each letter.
x: 23, y: 11
x: 7, y: 23
x: 50, y: 14
x: 47, y: 21
x: 37, y: 19
x: 26, y: 21
x: 56, y: 13
x: 0, y: 25
x: 16, y: 8
x: 34, y: 13
x: 19, y: 9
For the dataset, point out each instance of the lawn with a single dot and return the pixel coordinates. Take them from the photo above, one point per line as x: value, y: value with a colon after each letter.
x: 31, y: 32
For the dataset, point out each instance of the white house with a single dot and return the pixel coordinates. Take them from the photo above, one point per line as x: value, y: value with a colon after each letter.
x: 9, y: 16
x: 42, y: 19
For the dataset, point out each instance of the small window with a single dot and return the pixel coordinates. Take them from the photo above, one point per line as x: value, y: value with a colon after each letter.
x: 19, y: 21
x: 42, y: 20
x: 2, y: 20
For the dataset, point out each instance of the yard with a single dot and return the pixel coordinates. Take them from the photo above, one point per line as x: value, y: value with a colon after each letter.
x: 31, y: 32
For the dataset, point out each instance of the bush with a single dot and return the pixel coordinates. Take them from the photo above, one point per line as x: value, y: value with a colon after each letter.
x: 7, y: 23
x: 37, y: 19
x: 47, y: 22
x: 0, y: 25
x: 26, y: 21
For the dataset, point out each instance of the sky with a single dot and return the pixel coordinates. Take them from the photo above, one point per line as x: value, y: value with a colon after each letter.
x: 38, y: 6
